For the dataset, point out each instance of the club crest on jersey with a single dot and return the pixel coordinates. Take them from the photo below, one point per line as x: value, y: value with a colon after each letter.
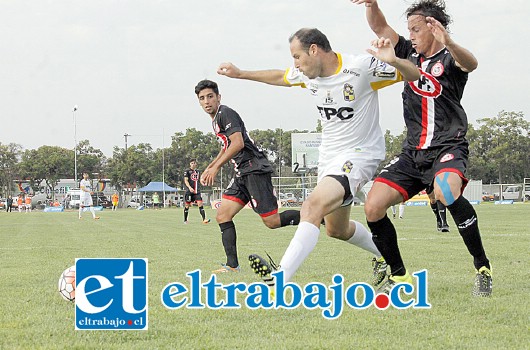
x: 427, y: 85
x: 347, y: 167
x: 349, y: 94
x: 447, y: 157
x: 194, y: 176
x: 437, y: 69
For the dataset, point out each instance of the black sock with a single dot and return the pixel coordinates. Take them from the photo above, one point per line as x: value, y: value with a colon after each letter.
x: 467, y: 222
x: 228, y: 231
x: 385, y: 239
x: 201, y: 210
x: 186, y: 211
x: 442, y: 213
x: 289, y: 217
x: 434, y: 207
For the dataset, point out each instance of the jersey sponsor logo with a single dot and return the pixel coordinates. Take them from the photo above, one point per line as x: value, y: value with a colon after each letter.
x: 342, y: 113
x: 437, y: 69
x: 427, y: 85
x: 447, y: 157
x: 194, y: 176
x: 351, y: 71
x: 348, y: 92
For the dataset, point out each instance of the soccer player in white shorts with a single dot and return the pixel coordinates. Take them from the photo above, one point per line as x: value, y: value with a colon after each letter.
x: 345, y: 88
x: 86, y: 196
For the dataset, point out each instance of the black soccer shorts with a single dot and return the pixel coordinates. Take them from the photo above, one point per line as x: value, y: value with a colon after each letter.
x: 256, y: 189
x: 414, y: 170
x: 192, y: 197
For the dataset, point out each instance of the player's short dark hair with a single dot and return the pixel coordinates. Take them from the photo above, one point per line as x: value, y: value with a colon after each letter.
x: 430, y: 8
x: 193, y: 160
x: 310, y: 36
x: 206, y: 84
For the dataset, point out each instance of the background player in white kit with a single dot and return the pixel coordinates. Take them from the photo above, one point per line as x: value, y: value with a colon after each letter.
x: 86, y: 196
x: 345, y: 88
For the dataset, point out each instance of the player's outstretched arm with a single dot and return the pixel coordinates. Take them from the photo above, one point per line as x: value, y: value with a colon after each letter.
x: 463, y: 57
x: 271, y: 76
x: 377, y: 21
x: 385, y: 52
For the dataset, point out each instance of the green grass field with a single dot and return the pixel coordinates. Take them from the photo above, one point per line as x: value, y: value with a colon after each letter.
x: 36, y: 247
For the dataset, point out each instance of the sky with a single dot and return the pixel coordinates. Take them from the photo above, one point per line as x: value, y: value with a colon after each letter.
x: 131, y: 66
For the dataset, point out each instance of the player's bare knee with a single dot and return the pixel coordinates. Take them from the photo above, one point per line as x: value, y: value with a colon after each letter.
x: 333, y: 233
x: 311, y: 211
x: 374, y: 211
x: 271, y: 224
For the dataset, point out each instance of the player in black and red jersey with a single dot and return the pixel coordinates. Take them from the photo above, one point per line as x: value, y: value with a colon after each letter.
x: 435, y: 153
x: 252, y: 180
x: 193, y: 191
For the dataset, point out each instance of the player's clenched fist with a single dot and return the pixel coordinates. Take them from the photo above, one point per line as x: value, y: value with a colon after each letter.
x: 229, y: 70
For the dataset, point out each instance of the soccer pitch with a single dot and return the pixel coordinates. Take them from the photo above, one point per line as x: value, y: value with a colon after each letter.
x: 36, y: 247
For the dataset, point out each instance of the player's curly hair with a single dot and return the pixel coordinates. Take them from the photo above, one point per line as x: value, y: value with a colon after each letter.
x: 430, y: 8
x: 206, y: 84
x: 310, y: 36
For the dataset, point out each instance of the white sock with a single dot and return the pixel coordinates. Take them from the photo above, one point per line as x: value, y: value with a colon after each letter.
x: 401, y: 210
x: 393, y: 210
x: 363, y: 239
x: 80, y: 211
x: 93, y: 212
x: 304, y: 241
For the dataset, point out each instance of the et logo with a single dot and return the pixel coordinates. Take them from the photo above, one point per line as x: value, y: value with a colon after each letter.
x: 111, y: 294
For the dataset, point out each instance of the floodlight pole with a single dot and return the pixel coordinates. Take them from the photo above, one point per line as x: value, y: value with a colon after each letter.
x: 75, y: 144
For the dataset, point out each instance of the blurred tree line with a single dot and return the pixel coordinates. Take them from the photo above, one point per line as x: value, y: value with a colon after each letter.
x: 499, y: 153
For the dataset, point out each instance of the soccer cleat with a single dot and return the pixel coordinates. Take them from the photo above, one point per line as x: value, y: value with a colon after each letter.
x: 262, y: 268
x: 205, y: 221
x: 444, y: 228
x: 96, y: 218
x: 392, y: 281
x: 186, y: 222
x: 225, y: 268
x: 393, y: 216
x: 483, y: 283
x: 379, y: 270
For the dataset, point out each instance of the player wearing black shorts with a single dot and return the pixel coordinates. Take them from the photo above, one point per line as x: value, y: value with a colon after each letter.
x: 193, y: 191
x: 435, y: 154
x: 252, y: 180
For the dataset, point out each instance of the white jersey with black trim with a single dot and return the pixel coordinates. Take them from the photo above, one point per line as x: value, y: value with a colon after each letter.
x: 348, y: 103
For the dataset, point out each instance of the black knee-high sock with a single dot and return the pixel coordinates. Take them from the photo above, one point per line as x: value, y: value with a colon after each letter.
x: 201, y: 210
x: 228, y: 231
x: 385, y: 239
x: 289, y: 217
x: 186, y: 211
x: 434, y: 207
x: 442, y: 213
x: 467, y: 222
